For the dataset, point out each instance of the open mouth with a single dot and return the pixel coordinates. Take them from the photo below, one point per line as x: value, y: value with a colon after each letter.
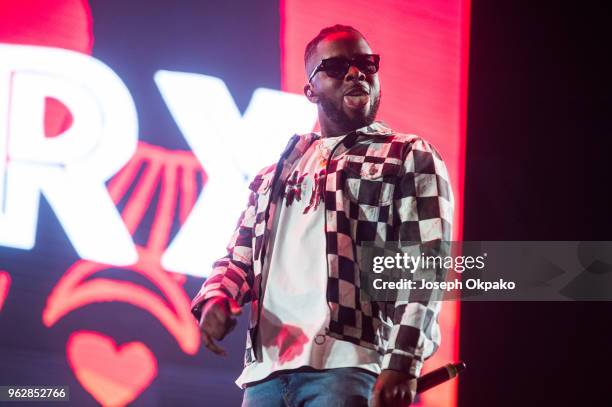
x: 356, y: 98
x: 356, y: 101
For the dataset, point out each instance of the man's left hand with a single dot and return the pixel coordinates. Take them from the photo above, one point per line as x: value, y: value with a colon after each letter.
x: 393, y: 389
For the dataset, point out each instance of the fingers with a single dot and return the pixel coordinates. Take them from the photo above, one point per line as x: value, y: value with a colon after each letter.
x: 217, y: 317
x: 411, y: 394
x: 210, y: 344
x: 217, y: 321
x: 393, y: 389
x: 216, y: 324
x: 389, y: 400
x: 403, y: 396
x: 398, y: 396
x: 219, y: 325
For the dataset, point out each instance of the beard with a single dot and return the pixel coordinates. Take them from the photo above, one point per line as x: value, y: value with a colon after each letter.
x: 340, y: 118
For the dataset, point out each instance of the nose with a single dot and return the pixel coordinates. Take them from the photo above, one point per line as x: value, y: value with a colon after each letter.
x: 354, y: 74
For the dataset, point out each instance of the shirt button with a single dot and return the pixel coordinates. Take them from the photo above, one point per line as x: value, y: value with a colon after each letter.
x: 372, y: 170
x: 319, y: 339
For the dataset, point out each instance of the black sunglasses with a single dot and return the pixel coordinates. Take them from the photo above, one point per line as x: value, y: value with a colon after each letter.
x: 337, y: 67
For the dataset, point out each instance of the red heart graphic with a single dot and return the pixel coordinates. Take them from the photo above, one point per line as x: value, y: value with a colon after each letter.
x: 113, y: 375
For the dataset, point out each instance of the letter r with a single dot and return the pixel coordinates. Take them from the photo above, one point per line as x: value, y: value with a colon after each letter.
x: 71, y: 168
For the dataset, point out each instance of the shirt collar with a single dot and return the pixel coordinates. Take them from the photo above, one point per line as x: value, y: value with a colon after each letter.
x: 378, y: 128
x: 300, y: 143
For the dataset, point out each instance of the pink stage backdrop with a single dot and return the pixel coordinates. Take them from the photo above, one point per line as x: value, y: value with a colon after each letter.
x: 424, y: 59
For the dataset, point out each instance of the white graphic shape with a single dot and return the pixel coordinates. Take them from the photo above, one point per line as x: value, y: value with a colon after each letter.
x: 231, y: 148
x: 71, y: 168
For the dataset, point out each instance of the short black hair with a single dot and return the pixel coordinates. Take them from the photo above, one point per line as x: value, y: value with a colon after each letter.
x: 338, y: 28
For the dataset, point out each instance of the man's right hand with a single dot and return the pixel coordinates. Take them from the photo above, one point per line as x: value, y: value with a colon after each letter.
x: 217, y: 320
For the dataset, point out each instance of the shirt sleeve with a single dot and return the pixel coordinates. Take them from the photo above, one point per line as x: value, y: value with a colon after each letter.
x: 232, y: 275
x: 424, y: 210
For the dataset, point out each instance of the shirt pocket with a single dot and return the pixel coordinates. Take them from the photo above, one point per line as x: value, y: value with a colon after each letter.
x: 369, y: 183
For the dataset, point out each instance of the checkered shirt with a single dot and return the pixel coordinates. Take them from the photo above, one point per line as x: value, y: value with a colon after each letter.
x: 381, y: 187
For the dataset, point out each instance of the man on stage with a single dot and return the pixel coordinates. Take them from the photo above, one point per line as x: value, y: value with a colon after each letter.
x: 295, y: 255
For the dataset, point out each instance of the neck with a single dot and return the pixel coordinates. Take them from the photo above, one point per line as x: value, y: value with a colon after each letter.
x: 329, y: 129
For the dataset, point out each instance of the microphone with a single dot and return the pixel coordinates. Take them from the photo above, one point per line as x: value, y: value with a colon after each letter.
x: 439, y: 376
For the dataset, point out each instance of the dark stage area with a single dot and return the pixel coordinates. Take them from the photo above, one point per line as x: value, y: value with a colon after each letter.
x: 536, y: 169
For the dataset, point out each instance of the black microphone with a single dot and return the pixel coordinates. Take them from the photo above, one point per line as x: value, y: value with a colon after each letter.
x: 439, y: 376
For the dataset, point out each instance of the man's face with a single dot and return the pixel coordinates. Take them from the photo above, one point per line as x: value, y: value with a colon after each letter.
x: 350, y: 102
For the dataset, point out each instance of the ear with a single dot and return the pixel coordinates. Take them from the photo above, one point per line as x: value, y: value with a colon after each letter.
x: 310, y: 93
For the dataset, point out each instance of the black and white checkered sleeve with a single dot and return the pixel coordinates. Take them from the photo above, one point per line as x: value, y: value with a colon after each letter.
x: 232, y: 275
x: 424, y: 205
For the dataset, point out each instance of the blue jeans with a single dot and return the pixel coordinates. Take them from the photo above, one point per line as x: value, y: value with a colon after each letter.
x: 305, y: 387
